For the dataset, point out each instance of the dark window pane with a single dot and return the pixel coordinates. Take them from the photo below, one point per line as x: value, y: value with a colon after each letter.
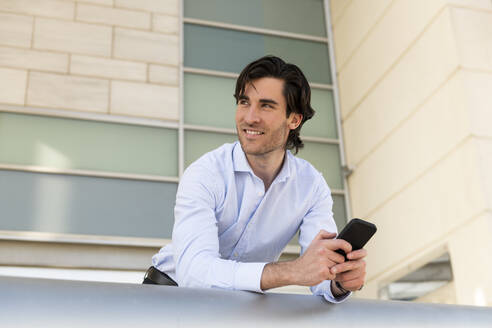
x: 326, y: 159
x: 87, y: 145
x: 198, y: 143
x: 208, y: 100
x: 86, y: 205
x: 296, y: 16
x: 230, y: 51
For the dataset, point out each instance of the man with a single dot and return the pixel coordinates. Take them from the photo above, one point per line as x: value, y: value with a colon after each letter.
x: 238, y: 206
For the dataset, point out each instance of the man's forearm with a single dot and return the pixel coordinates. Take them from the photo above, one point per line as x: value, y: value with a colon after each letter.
x: 278, y: 274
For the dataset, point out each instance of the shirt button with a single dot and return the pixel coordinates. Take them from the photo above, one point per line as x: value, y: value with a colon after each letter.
x: 260, y: 193
x: 235, y: 254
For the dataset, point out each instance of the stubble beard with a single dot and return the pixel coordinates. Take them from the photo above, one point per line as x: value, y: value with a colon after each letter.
x: 277, y: 141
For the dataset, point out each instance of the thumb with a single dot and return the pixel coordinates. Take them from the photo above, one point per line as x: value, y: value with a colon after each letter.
x: 323, y: 234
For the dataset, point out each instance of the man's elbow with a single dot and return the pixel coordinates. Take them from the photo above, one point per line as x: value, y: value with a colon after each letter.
x: 192, y: 275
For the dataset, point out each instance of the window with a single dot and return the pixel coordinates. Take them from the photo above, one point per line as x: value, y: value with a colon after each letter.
x: 81, y: 171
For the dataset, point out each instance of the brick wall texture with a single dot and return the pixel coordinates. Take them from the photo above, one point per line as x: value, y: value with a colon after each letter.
x: 106, y: 56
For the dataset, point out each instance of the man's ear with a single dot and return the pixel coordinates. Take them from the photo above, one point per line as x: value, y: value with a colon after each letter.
x: 295, y: 120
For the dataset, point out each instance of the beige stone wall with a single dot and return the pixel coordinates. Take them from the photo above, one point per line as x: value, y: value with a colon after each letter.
x: 415, y: 81
x: 105, y: 56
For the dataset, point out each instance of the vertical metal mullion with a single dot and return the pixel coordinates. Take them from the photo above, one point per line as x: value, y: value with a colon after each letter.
x: 181, y: 92
x: 331, y: 53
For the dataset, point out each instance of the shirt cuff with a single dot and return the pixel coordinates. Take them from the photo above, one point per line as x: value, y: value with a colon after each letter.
x: 248, y: 276
x: 324, y: 289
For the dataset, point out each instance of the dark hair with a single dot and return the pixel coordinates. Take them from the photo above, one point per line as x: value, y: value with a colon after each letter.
x: 296, y: 91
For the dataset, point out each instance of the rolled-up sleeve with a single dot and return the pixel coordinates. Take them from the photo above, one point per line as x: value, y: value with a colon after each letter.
x: 320, y: 216
x: 196, y: 241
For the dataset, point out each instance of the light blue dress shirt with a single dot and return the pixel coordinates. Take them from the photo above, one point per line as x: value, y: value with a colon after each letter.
x: 227, y: 228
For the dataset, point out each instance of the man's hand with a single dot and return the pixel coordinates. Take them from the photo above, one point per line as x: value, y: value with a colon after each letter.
x: 314, y: 266
x: 351, y: 274
x: 311, y: 268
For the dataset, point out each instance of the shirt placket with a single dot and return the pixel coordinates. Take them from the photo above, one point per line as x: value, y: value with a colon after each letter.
x: 242, y: 245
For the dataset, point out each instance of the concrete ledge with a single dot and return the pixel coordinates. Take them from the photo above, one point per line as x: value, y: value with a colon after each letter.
x: 52, y: 303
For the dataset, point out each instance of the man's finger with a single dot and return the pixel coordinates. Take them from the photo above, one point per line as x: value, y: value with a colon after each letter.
x: 335, y: 244
x: 357, y: 255
x: 350, y: 275
x: 323, y: 234
x: 348, y: 266
x: 336, y: 258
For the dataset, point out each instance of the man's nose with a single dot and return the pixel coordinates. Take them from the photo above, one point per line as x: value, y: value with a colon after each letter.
x: 252, y: 115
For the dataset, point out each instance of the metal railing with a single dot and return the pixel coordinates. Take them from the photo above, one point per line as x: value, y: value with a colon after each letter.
x: 27, y: 302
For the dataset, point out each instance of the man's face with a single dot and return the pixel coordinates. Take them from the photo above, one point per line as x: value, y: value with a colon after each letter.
x: 261, y: 120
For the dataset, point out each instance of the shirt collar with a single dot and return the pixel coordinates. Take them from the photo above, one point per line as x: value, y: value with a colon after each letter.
x: 241, y: 163
x: 239, y: 158
x: 285, y: 171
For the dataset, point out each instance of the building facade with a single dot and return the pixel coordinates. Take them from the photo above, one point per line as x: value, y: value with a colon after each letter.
x: 104, y: 103
x: 415, y: 81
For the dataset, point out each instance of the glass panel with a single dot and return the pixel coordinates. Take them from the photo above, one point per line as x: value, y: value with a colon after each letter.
x: 323, y: 124
x: 198, y: 143
x: 209, y: 100
x: 326, y: 159
x: 297, y: 16
x: 339, y: 212
x: 226, y: 50
x: 87, y: 145
x: 86, y: 205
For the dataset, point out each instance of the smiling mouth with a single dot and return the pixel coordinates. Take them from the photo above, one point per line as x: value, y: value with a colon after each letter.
x: 253, y: 132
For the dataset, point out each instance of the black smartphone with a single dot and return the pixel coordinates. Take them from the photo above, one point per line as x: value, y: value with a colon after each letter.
x: 357, y: 232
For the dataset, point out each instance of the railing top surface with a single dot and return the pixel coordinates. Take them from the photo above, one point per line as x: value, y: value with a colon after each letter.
x: 29, y: 302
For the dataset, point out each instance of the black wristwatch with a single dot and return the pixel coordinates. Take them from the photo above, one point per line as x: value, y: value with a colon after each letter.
x: 339, y: 286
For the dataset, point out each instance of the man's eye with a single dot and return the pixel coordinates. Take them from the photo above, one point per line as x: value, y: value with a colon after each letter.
x: 267, y: 106
x: 243, y: 102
